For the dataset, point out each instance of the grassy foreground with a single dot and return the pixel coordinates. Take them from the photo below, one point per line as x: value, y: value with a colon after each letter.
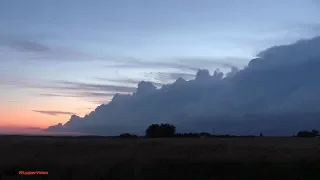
x: 160, y: 159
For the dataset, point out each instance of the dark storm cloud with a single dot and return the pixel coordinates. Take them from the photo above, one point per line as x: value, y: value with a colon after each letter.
x: 230, y: 105
x: 300, y: 51
x: 54, y: 113
x: 178, y: 75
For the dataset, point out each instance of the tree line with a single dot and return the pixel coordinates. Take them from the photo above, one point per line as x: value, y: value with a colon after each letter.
x: 169, y: 130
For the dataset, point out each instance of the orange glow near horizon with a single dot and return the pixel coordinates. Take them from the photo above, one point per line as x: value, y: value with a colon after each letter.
x: 20, y: 116
x: 32, y: 131
x: 29, y: 118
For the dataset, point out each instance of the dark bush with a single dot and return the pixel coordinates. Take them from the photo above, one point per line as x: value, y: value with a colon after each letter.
x: 128, y: 135
x: 312, y: 133
x: 160, y: 131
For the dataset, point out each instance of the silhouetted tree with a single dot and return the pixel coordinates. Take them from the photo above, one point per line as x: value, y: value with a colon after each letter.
x: 261, y: 135
x: 312, y: 133
x: 162, y: 130
x: 128, y: 135
x: 315, y: 132
x: 205, y: 134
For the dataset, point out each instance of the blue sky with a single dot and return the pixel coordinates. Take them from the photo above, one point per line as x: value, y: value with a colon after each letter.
x: 102, y: 42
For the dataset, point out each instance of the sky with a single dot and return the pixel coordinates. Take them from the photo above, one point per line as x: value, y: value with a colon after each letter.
x: 64, y: 57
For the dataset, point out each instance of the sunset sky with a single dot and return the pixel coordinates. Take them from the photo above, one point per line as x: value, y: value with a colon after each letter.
x: 64, y: 57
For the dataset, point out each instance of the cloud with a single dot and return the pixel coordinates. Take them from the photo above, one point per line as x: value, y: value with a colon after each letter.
x: 279, y: 100
x: 79, y: 94
x: 52, y: 95
x: 181, y: 63
x: 68, y: 85
x: 33, y: 128
x: 300, y: 51
x: 23, y: 44
x: 69, y: 88
x: 128, y: 81
x: 55, y: 128
x: 53, y: 113
x: 150, y: 64
x: 91, y: 92
x: 312, y: 29
x: 227, y: 62
x: 169, y: 77
x: 98, y: 102
x: 84, y: 108
x: 93, y: 96
x: 35, y: 49
x: 28, y: 46
x: 96, y: 94
x: 177, y: 75
x: 13, y: 80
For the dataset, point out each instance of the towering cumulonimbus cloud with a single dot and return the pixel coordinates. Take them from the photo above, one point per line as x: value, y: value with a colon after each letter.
x: 269, y: 95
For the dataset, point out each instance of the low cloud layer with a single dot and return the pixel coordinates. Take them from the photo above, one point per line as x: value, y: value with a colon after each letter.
x: 92, y: 92
x: 128, y: 81
x: 92, y: 86
x: 34, y: 49
x: 181, y: 63
x: 273, y: 88
x: 28, y: 46
x: 53, y: 113
x: 23, y: 44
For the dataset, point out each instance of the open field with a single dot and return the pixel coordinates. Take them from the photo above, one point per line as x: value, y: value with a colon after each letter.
x: 185, y: 158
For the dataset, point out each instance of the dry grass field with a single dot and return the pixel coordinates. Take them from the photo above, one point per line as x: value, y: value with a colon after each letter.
x: 146, y: 159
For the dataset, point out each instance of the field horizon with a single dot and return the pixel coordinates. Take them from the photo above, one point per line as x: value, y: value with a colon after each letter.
x: 97, y: 157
